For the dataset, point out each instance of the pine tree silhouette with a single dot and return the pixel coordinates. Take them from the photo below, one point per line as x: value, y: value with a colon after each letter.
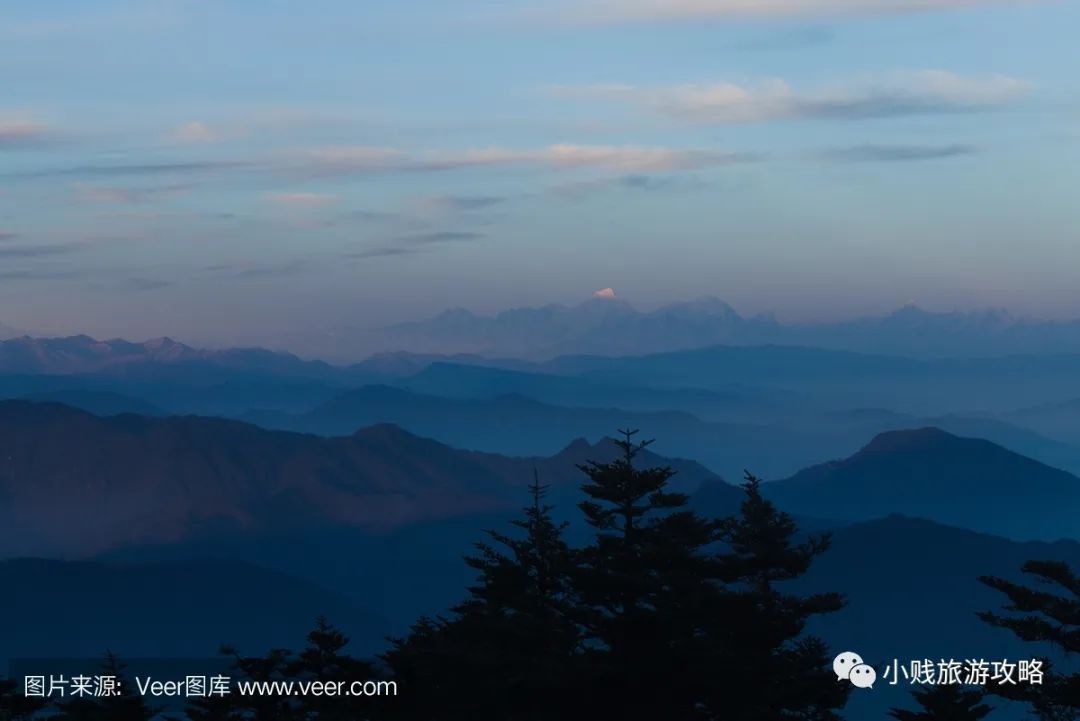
x: 664, y: 616
x: 322, y: 660
x: 760, y: 638
x: 15, y: 705
x: 505, y: 653
x: 947, y: 702
x: 125, y: 705
x: 1049, y: 615
x: 644, y: 586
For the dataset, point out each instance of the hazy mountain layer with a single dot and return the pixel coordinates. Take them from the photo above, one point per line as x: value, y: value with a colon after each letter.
x: 607, y: 326
x: 74, y: 483
x: 932, y: 474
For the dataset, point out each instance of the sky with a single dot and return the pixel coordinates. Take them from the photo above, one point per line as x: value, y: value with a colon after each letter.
x: 272, y: 172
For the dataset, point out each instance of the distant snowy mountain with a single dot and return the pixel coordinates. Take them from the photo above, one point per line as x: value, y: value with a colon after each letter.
x: 914, y: 331
x: 600, y: 325
x: 607, y: 326
x: 82, y: 354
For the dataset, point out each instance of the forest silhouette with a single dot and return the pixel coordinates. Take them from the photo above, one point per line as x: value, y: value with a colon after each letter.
x: 665, y: 615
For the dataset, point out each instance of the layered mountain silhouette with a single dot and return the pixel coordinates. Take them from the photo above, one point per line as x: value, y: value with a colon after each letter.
x: 715, y: 381
x: 85, y: 355
x: 98, y: 402
x: 73, y: 483
x: 1060, y: 419
x: 843, y: 378
x: 518, y: 425
x: 614, y: 327
x: 735, y: 401
x: 935, y: 475
x: 779, y: 445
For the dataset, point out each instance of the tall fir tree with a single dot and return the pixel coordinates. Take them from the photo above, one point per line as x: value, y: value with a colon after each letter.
x: 1051, y: 616
x: 644, y: 586
x: 505, y: 653
x: 766, y: 666
x: 946, y: 702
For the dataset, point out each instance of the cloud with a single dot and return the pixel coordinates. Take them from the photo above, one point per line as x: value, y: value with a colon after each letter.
x: 21, y: 130
x: 607, y: 157
x: 896, y: 153
x: 443, y: 236
x: 580, y: 189
x: 39, y: 251
x: 255, y: 271
x: 374, y: 216
x: 353, y: 158
x: 13, y: 275
x: 626, y: 158
x: 130, y: 169
x: 195, y: 132
x: 124, y: 196
x: 463, y: 203
x: 417, y: 243
x: 6, y: 235
x: 899, y: 94
x: 387, y: 252
x: 143, y: 284
x: 604, y: 12
x: 302, y: 200
x: 606, y: 293
x: 102, y: 194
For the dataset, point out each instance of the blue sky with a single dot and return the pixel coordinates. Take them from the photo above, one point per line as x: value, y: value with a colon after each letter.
x: 272, y: 172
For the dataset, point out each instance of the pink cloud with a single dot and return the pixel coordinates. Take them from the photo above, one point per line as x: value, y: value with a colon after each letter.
x: 303, y: 200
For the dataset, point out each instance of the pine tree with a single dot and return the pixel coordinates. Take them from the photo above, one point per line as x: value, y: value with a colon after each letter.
x: 232, y: 706
x: 1050, y: 615
x: 15, y: 705
x: 947, y: 702
x: 665, y: 616
x: 324, y: 660
x: 645, y: 586
x: 766, y: 666
x: 504, y: 653
x: 124, y: 705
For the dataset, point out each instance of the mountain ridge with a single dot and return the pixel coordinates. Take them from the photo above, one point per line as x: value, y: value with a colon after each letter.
x: 614, y: 327
x: 931, y: 474
x: 74, y: 484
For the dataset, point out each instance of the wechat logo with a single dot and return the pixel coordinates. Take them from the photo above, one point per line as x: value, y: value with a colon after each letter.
x: 850, y: 666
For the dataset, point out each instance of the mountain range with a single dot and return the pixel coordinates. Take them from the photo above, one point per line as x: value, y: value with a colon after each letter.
x: 85, y: 355
x: 609, y: 326
x: 74, y: 484
x: 613, y: 327
x: 179, y: 378
x: 774, y: 447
